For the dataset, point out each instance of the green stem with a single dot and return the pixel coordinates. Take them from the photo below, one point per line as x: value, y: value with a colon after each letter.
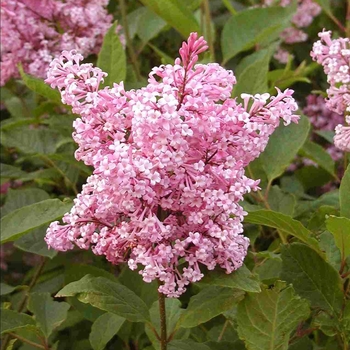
x: 162, y: 314
x: 206, y: 8
x: 228, y: 5
x: 128, y: 40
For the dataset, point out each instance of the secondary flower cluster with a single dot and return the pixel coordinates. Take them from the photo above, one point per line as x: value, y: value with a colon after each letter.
x: 33, y: 32
x: 168, y: 165
x: 334, y: 55
x: 306, y: 11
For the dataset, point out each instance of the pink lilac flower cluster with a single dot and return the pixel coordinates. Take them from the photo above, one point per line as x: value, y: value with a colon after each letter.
x: 34, y: 32
x: 168, y: 165
x: 307, y: 10
x: 334, y: 56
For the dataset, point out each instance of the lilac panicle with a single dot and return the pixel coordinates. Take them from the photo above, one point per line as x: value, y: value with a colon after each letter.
x: 168, y: 165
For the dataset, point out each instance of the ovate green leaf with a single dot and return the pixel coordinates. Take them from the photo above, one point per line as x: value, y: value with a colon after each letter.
x: 284, y: 223
x: 40, y: 87
x: 12, y: 320
x: 253, y: 26
x: 175, y: 13
x: 48, y: 314
x: 312, y: 277
x: 241, y: 279
x: 111, y: 58
x: 339, y: 227
x: 109, y: 296
x: 276, y: 157
x: 266, y: 320
x: 104, y: 329
x: 344, y: 194
x: 318, y: 154
x: 208, y: 303
x: 27, y: 218
x: 33, y: 242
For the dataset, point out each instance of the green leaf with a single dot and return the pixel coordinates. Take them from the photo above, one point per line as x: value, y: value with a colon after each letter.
x: 275, y: 158
x: 308, y: 206
x: 70, y: 160
x: 344, y: 194
x: 12, y: 320
x: 111, y: 58
x: 187, y: 344
x: 327, y: 243
x: 266, y: 320
x: 48, y: 314
x: 281, y: 201
x: 6, y: 289
x: 251, y: 73
x: 319, y: 155
x: 175, y: 13
x: 252, y: 27
x: 312, y: 277
x: 207, y: 304
x: 39, y: 86
x: 16, y: 199
x: 284, y: 223
x: 41, y: 141
x: 20, y: 221
x: 76, y: 272
x: 33, y: 242
x: 149, y: 25
x: 11, y: 172
x: 109, y: 296
x: 241, y: 279
x: 173, y: 312
x: 104, y: 329
x: 133, y: 280
x: 312, y: 177
x: 340, y: 228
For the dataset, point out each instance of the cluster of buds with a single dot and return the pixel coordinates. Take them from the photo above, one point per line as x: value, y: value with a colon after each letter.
x: 168, y: 165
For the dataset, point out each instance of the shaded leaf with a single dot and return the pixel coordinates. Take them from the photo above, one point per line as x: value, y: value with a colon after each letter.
x: 253, y: 26
x: 149, y: 25
x: 175, y: 13
x: 48, y: 314
x: 344, y: 194
x: 39, y: 86
x: 284, y: 223
x: 33, y: 242
x: 281, y: 201
x: 31, y: 141
x: 339, y: 227
x: 27, y: 218
x: 266, y: 320
x: 252, y: 73
x: 241, y: 279
x: 312, y: 277
x: 16, y: 199
x: 12, y: 320
x: 187, y: 344
x: 275, y: 158
x: 208, y: 303
x: 109, y: 296
x: 319, y: 155
x: 104, y: 329
x: 111, y: 58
